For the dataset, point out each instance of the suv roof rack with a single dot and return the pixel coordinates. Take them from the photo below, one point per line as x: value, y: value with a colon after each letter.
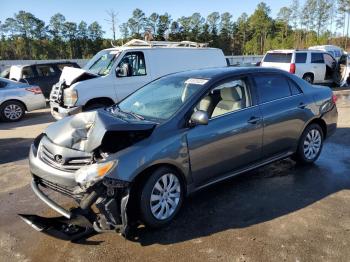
x: 138, y: 42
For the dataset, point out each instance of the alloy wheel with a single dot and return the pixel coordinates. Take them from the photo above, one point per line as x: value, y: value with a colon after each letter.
x: 13, y: 112
x: 165, y: 196
x: 312, y: 144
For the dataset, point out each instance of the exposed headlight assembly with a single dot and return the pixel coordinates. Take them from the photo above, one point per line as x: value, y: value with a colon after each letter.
x: 70, y: 97
x: 90, y: 174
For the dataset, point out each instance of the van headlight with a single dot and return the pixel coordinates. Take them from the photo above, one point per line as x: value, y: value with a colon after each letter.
x: 70, y: 97
x: 92, y: 173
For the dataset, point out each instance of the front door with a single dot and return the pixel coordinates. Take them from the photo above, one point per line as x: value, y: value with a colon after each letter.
x: 132, y: 73
x: 233, y: 137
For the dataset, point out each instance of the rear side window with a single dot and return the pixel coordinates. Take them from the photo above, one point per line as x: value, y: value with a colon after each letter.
x: 278, y: 57
x: 317, y: 58
x: 2, y: 84
x: 271, y: 87
x: 294, y: 89
x: 300, y: 58
x: 45, y: 70
x: 27, y: 72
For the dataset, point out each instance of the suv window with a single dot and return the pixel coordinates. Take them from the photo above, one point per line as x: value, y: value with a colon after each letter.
x: 27, y: 72
x: 317, y: 58
x: 45, y: 70
x: 61, y: 66
x: 271, y: 87
x: 294, y: 88
x: 278, y: 57
x: 300, y: 58
x: 132, y: 64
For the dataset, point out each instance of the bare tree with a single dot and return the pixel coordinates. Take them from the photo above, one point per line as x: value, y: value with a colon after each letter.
x: 112, y: 21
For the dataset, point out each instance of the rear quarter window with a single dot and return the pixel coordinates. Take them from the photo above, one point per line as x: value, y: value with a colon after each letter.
x: 272, y: 87
x: 300, y: 58
x: 278, y: 57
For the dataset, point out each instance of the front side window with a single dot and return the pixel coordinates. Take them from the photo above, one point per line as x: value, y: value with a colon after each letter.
x: 317, y: 58
x: 160, y: 99
x: 132, y: 64
x: 227, y: 97
x: 271, y: 87
x: 27, y: 72
x: 45, y: 70
x: 300, y: 58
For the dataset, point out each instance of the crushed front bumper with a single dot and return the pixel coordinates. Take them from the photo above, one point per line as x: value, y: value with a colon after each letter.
x: 59, y: 112
x: 110, y: 199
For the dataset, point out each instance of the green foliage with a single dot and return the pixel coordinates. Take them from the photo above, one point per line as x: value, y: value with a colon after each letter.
x: 24, y: 36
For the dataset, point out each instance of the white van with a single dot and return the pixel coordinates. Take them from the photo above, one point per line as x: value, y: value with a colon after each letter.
x: 114, y: 73
x: 335, y: 51
x: 313, y: 66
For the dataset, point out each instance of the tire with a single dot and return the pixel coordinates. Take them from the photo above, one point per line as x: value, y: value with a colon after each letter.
x: 314, y: 137
x: 309, y: 78
x: 93, y: 106
x: 152, y: 189
x: 12, y: 111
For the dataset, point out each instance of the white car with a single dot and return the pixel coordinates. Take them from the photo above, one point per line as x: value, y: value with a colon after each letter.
x: 114, y: 73
x: 313, y: 66
x: 16, y: 98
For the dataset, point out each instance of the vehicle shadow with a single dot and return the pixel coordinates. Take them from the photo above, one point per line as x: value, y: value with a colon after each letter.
x: 14, y: 149
x: 255, y: 197
x: 30, y: 119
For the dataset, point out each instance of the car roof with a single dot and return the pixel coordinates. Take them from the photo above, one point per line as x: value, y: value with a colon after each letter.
x: 223, y: 72
x: 296, y: 50
x: 45, y: 63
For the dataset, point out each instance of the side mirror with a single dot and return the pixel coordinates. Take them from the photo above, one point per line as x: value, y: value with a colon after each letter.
x: 199, y: 118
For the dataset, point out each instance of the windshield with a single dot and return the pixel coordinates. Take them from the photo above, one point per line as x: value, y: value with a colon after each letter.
x: 159, y: 100
x: 102, y: 62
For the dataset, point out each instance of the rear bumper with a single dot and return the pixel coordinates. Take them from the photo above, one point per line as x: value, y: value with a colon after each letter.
x: 59, y: 112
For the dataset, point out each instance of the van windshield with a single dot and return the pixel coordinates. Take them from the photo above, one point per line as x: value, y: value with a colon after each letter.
x: 159, y: 100
x: 102, y: 62
x: 278, y: 57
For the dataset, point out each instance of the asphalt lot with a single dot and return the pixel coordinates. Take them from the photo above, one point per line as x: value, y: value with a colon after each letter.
x: 281, y: 212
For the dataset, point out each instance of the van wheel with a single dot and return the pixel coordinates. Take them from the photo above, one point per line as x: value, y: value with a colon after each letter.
x: 93, y: 106
x: 310, y: 145
x: 161, y: 197
x: 309, y: 78
x: 12, y: 111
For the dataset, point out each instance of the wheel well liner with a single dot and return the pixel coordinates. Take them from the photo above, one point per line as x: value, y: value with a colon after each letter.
x: 100, y: 100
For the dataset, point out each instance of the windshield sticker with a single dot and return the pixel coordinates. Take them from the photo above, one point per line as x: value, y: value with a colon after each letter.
x: 196, y: 81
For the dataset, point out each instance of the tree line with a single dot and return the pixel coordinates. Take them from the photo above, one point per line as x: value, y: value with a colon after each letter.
x: 296, y: 26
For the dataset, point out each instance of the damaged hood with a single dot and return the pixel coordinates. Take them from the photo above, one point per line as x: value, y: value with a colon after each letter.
x: 85, y: 131
x: 70, y: 75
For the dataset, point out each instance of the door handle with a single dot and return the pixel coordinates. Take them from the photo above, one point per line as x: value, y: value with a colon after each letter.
x: 302, y: 105
x: 254, y: 120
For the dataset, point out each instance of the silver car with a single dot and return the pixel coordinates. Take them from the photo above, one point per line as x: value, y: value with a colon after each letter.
x: 136, y: 161
x: 16, y: 98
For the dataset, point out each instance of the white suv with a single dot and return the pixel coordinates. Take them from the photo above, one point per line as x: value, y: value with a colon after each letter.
x: 313, y: 66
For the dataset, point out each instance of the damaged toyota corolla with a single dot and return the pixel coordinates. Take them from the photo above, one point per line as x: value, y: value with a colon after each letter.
x: 136, y: 161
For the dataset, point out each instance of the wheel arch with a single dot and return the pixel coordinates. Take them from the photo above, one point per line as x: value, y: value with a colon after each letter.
x: 102, y: 100
x: 309, y: 73
x: 16, y: 100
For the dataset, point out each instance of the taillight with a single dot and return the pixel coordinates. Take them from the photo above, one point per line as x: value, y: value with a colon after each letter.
x: 35, y: 89
x: 292, y: 68
x: 334, y: 99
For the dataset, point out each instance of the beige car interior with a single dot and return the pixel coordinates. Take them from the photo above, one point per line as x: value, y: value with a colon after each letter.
x: 226, y: 98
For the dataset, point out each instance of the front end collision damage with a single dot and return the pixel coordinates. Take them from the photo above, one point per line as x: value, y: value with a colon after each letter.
x: 91, y: 137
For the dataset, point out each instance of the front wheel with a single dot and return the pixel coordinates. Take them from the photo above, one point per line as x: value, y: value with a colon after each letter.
x: 310, y: 144
x: 161, y: 197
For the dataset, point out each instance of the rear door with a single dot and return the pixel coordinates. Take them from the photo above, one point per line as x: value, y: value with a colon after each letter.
x: 134, y: 72
x: 47, y: 76
x: 284, y: 110
x: 318, y: 67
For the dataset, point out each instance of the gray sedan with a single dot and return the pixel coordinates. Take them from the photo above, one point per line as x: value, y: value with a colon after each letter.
x: 137, y: 160
x: 16, y: 98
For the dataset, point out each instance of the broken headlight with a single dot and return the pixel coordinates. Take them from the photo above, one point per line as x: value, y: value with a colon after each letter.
x: 92, y: 173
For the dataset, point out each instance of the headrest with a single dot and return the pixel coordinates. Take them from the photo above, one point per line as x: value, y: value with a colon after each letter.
x: 230, y: 94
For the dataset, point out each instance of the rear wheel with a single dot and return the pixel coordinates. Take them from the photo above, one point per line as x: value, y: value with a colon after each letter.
x: 12, y: 111
x: 161, y: 197
x: 310, y: 144
x: 308, y: 78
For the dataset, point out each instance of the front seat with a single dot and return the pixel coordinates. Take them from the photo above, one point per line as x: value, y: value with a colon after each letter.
x: 231, y: 101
